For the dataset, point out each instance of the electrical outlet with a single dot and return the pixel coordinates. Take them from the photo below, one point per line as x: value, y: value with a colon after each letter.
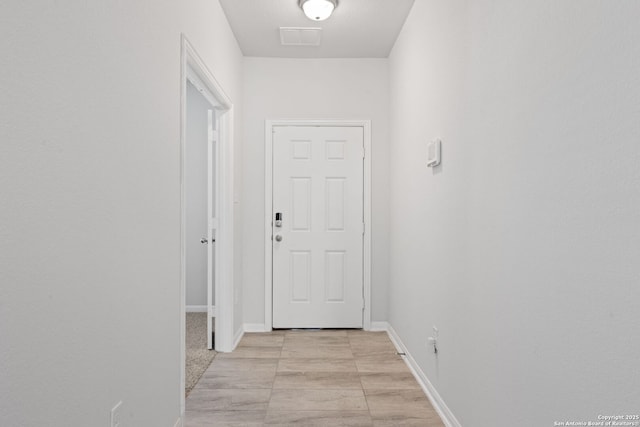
x: 116, y: 415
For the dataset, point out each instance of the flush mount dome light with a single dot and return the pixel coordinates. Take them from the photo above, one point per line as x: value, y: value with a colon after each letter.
x: 318, y: 10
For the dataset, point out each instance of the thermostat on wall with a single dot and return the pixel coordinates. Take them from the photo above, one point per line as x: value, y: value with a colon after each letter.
x: 433, y: 153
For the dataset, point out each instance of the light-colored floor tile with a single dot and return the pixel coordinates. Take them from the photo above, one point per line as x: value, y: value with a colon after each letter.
x: 317, y: 337
x: 261, y: 340
x: 203, y: 399
x: 371, y: 337
x: 225, y: 418
x: 310, y: 379
x: 362, y: 352
x: 317, y: 365
x: 273, y: 332
x: 389, y: 381
x: 327, y: 352
x: 319, y: 418
x: 375, y: 346
x: 317, y: 333
x: 398, y: 404
x: 242, y: 364
x: 363, y: 332
x: 378, y: 345
x: 318, y: 400
x: 253, y: 352
x: 381, y: 364
x: 236, y: 379
x: 399, y: 421
x: 303, y: 342
x: 317, y: 380
x: 373, y: 352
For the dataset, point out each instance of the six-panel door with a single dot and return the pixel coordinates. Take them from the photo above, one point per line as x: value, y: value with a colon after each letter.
x: 318, y: 249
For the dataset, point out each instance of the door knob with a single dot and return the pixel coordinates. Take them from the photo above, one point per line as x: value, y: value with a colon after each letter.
x: 204, y: 241
x: 278, y: 238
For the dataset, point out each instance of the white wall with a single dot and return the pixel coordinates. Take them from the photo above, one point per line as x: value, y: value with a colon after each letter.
x: 523, y: 246
x: 90, y: 206
x: 276, y: 88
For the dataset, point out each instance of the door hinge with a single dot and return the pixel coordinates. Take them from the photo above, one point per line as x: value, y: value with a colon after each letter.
x: 363, y: 303
x: 363, y: 228
x: 363, y: 153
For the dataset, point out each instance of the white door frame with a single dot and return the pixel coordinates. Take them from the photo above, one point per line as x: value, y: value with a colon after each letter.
x: 191, y: 64
x: 268, y: 209
x: 213, y: 209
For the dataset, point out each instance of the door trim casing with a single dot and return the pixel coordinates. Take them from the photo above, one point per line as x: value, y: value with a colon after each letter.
x: 268, y: 209
x: 192, y: 65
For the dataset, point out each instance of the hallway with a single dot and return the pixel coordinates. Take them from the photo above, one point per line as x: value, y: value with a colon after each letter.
x: 517, y: 253
x: 310, y: 378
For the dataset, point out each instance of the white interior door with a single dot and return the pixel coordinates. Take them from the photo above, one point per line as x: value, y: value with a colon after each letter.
x: 195, y: 170
x: 212, y: 221
x: 318, y: 227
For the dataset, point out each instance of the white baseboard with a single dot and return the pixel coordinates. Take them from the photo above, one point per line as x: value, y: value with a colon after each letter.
x: 379, y: 326
x: 254, y: 327
x: 238, y: 336
x: 441, y: 408
x: 196, y: 309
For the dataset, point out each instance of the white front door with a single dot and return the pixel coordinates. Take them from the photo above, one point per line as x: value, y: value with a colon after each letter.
x: 318, y: 226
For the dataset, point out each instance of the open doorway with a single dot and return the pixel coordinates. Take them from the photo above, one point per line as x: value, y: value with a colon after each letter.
x: 206, y: 211
x: 201, y: 216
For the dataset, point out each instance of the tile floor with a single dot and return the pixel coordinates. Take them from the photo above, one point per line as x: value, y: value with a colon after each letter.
x: 310, y: 378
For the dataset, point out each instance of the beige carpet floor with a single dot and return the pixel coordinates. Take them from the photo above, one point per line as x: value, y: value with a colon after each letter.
x: 198, y: 358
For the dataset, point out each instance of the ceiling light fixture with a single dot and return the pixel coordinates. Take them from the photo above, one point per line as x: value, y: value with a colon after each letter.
x: 318, y: 10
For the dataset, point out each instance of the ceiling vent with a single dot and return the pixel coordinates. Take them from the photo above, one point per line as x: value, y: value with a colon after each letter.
x: 300, y: 36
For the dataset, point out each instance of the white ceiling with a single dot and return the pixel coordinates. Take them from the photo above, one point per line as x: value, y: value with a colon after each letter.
x: 357, y: 28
